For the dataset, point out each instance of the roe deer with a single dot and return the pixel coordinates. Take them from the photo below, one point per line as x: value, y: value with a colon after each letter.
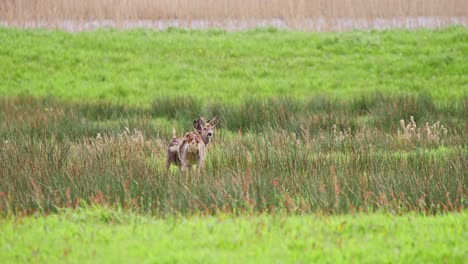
x: 191, y: 149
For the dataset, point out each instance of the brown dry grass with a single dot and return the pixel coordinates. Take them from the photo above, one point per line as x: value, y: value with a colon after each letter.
x: 53, y: 10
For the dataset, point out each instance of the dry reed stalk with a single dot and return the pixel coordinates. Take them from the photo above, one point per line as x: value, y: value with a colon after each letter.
x: 292, y: 11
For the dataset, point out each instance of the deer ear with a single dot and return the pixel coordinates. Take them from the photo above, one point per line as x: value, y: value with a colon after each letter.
x: 199, y: 123
x: 196, y: 125
x: 214, y: 121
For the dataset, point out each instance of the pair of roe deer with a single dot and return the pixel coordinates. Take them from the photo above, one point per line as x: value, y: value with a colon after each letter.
x: 191, y: 149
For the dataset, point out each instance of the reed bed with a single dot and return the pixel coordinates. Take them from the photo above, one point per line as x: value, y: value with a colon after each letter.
x: 269, y: 155
x: 291, y: 14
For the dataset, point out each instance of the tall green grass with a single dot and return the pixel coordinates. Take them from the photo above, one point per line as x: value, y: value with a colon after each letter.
x: 268, y: 155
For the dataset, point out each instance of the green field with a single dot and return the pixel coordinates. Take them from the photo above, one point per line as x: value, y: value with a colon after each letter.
x: 332, y: 147
x: 138, y: 66
x: 107, y: 236
x: 321, y: 133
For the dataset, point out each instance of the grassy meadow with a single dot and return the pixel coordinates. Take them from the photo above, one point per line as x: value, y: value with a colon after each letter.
x: 139, y: 66
x: 331, y: 146
x: 98, y: 236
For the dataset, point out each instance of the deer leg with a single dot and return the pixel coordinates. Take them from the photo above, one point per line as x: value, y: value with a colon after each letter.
x: 168, y: 165
x: 200, y: 163
x: 183, y: 166
x: 172, y: 158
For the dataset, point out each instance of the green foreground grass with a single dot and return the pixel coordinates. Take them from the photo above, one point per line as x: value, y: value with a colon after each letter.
x: 137, y: 66
x: 110, y: 236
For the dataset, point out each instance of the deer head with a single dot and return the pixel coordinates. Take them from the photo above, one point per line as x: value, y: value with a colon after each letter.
x: 205, y: 128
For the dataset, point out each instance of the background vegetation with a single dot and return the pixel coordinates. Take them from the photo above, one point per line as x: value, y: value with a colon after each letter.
x: 35, y: 10
x: 316, y: 15
x: 138, y: 66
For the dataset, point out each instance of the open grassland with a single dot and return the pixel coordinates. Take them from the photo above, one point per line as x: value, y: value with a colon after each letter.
x: 362, y: 126
x: 310, y: 122
x: 312, y: 125
x: 139, y: 65
x: 99, y: 235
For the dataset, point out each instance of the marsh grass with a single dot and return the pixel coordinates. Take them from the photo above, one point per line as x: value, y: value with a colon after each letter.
x: 269, y: 155
x: 203, y: 9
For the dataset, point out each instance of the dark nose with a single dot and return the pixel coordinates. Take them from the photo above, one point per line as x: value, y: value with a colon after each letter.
x: 210, y: 134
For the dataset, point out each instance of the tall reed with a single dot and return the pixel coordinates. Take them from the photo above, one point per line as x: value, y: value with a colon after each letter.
x: 225, y: 9
x: 293, y: 12
x: 268, y: 156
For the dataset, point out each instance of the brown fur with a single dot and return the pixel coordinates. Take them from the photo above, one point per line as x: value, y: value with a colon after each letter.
x: 191, y: 149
